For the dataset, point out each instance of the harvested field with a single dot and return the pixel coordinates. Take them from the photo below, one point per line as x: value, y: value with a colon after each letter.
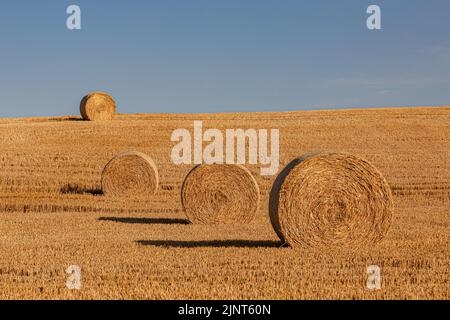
x: 53, y: 213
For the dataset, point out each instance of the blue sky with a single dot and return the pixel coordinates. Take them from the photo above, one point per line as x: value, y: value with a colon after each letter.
x: 222, y: 56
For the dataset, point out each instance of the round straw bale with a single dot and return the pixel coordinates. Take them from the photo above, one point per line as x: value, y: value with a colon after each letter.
x: 220, y: 194
x: 130, y: 174
x: 97, y: 106
x: 330, y: 200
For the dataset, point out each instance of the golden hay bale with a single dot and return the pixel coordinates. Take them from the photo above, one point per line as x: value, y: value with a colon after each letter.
x: 330, y: 200
x: 130, y: 174
x: 220, y: 194
x: 97, y: 106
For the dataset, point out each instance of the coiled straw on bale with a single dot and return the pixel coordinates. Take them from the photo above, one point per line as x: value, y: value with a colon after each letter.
x: 130, y: 174
x: 220, y: 194
x: 330, y: 200
x: 97, y: 106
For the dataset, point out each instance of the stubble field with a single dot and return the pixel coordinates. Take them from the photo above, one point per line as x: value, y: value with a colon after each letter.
x: 53, y: 213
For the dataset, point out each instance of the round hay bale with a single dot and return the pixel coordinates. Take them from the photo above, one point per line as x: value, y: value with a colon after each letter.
x: 130, y: 174
x: 97, y: 106
x: 332, y: 201
x: 220, y: 194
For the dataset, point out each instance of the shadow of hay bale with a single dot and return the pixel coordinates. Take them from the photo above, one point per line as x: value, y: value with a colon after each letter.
x: 145, y: 220
x: 77, y: 189
x: 212, y: 244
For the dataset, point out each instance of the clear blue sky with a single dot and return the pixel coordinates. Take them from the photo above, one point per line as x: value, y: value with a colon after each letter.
x: 228, y: 55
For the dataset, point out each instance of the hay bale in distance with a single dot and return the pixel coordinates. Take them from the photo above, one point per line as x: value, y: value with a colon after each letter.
x: 97, y: 106
x: 330, y: 201
x: 130, y: 174
x: 220, y: 194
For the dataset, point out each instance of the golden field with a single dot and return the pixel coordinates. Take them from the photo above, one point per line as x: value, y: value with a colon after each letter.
x: 53, y: 215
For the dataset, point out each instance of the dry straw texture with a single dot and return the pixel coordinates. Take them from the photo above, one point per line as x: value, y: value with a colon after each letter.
x: 330, y: 200
x: 220, y: 194
x: 143, y: 249
x: 97, y: 106
x: 130, y: 174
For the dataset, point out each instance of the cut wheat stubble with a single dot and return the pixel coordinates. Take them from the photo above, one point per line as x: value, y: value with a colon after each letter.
x: 220, y: 194
x: 97, y: 106
x: 130, y: 174
x: 330, y: 201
